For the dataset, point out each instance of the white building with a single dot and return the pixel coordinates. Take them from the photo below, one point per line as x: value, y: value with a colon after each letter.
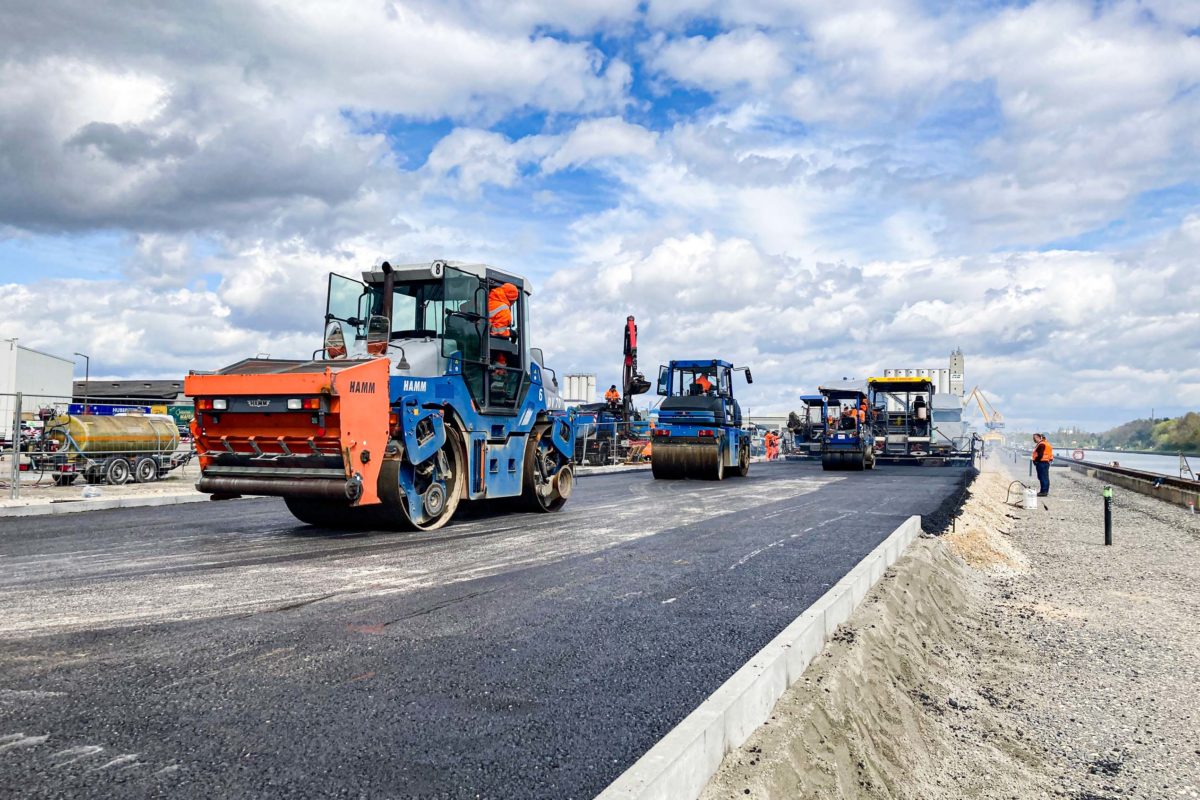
x: 41, y: 378
x: 945, y: 380
x: 578, y: 389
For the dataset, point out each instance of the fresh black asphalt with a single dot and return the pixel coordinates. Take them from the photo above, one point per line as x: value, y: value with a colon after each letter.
x: 546, y: 678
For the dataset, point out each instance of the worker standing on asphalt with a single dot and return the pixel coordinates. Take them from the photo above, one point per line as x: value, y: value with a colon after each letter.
x: 771, y: 440
x: 1043, y: 454
x: 612, y: 396
x: 500, y: 308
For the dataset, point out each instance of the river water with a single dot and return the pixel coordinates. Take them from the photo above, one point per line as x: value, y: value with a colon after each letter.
x: 1162, y: 464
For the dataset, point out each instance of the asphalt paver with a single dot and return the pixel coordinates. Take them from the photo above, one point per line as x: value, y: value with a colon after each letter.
x: 224, y: 649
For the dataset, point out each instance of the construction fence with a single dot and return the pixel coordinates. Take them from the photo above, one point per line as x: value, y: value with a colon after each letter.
x: 57, y: 441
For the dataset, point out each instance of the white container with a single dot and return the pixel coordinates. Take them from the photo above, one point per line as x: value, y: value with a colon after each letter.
x: 1030, y: 502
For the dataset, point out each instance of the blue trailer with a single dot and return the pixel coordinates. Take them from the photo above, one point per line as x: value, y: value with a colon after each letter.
x: 848, y: 442
x: 699, y: 433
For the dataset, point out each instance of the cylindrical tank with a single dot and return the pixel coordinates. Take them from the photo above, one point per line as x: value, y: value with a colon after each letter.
x: 97, y: 435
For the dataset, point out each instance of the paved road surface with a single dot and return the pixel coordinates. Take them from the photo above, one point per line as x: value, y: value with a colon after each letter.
x: 225, y: 650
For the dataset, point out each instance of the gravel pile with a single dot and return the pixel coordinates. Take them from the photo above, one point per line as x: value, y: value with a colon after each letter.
x: 1114, y: 697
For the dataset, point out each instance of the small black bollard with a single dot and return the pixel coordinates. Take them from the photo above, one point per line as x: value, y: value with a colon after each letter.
x: 1031, y: 467
x: 1108, y: 515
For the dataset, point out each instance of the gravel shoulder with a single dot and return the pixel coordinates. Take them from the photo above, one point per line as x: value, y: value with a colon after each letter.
x: 1014, y: 656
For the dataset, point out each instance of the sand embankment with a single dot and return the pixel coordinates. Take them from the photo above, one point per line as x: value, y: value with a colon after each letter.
x: 1014, y: 657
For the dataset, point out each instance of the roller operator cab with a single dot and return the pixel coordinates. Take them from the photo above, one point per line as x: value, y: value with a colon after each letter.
x: 699, y: 432
x: 848, y: 440
x: 425, y: 393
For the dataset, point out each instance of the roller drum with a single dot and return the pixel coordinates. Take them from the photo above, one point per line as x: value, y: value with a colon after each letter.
x: 310, y: 488
x: 687, y: 460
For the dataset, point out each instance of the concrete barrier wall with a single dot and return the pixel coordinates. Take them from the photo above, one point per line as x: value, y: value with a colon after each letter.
x: 1170, y: 494
x: 680, y: 765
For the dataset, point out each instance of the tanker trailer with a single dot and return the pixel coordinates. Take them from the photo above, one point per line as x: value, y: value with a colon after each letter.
x: 110, y: 449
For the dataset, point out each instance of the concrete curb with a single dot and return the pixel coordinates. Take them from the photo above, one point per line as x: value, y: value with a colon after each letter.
x: 682, y: 762
x: 594, y: 471
x: 101, y: 504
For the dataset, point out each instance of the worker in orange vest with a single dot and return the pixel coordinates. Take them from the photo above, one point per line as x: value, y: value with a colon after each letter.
x: 612, y: 396
x: 1043, y: 455
x: 771, y: 440
x: 705, y: 384
x: 501, y: 302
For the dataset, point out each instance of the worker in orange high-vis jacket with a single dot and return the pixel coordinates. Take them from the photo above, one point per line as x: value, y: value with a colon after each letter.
x: 705, y: 384
x: 501, y: 302
x: 1043, y: 455
x: 612, y: 396
x: 771, y: 440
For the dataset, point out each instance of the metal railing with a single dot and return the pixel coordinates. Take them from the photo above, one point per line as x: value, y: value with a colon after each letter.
x: 610, y: 443
x: 49, y: 441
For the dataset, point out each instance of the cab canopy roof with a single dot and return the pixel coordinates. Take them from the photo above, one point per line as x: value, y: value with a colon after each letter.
x: 701, y: 363
x: 842, y: 392
x: 901, y: 384
x: 812, y: 399
x: 425, y: 271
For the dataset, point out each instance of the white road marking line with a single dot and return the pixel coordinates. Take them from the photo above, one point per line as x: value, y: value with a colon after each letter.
x: 120, y: 760
x: 74, y: 754
x: 15, y: 740
x: 753, y: 553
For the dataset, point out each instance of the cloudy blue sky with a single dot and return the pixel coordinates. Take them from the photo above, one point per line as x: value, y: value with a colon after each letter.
x: 819, y: 189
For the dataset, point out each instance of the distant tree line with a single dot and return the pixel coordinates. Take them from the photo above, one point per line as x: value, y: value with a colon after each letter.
x: 1159, y: 435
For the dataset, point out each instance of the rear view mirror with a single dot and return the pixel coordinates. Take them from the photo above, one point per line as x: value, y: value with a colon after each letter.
x: 335, y: 341
x: 664, y: 381
x: 749, y: 377
x: 379, y: 332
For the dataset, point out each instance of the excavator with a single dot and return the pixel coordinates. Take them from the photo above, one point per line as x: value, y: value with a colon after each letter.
x: 617, y: 432
x: 414, y: 404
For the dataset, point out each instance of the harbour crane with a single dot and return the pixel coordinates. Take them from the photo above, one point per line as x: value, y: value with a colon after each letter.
x: 993, y: 420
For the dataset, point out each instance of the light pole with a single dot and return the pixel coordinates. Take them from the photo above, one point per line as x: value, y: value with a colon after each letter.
x: 87, y: 371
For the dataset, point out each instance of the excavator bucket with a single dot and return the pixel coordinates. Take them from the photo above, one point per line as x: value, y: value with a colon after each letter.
x: 316, y: 430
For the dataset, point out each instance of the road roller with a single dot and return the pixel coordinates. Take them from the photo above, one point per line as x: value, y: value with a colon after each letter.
x: 699, y: 432
x: 848, y: 442
x: 425, y: 394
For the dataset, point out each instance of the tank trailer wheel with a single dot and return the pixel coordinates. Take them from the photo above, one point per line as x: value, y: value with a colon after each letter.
x: 117, y: 472
x: 547, y: 483
x: 145, y: 470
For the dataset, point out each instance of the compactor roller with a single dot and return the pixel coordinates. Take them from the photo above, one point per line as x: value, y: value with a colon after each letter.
x: 426, y: 394
x: 847, y: 441
x: 699, y: 430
